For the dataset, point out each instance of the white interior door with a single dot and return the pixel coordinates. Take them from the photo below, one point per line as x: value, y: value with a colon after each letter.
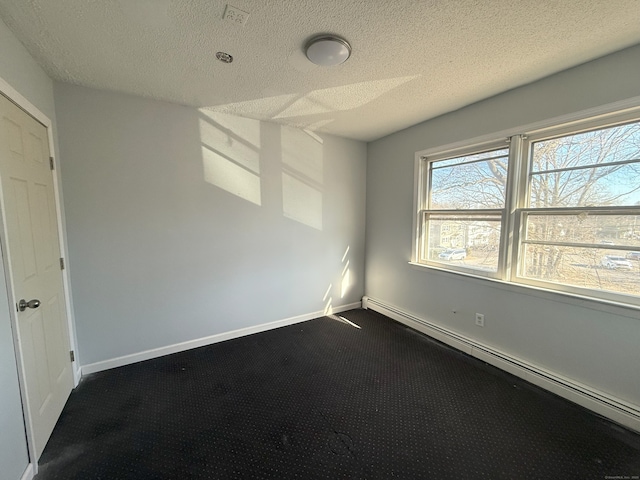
x: 33, y: 250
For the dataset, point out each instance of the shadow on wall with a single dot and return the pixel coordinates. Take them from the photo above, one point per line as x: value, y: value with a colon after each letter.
x: 234, y: 152
x: 231, y: 154
x: 251, y: 160
x: 283, y: 170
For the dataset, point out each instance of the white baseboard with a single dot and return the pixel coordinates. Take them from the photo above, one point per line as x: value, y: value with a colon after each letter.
x: 28, y: 473
x: 599, y: 402
x: 77, y: 375
x: 200, y: 342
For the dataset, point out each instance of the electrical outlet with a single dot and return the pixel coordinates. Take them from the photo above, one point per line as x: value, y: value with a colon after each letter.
x: 480, y: 319
x: 235, y: 15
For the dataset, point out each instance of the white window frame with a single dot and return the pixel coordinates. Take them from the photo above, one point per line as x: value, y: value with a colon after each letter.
x: 520, y: 142
x: 423, y: 188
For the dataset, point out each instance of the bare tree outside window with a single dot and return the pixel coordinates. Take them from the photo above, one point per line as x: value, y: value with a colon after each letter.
x: 580, y: 213
x: 586, y: 177
x: 467, y: 198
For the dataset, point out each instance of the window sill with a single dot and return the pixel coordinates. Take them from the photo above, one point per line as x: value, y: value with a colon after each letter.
x: 623, y: 309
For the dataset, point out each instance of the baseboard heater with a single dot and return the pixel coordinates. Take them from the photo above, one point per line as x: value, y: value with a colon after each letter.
x: 601, y: 403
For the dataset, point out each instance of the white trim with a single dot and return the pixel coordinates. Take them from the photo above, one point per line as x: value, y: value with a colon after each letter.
x: 602, y: 403
x: 64, y: 252
x: 16, y: 97
x: 201, y: 342
x: 417, y: 205
x: 28, y: 473
x: 21, y: 101
x: 77, y: 374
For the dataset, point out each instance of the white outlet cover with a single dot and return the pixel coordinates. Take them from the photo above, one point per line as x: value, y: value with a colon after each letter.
x: 235, y: 15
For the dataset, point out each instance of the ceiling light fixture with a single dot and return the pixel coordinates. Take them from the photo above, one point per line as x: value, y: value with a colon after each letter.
x: 224, y: 57
x: 327, y: 50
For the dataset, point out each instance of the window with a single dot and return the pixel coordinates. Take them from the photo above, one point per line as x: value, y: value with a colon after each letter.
x: 557, y: 208
x: 464, y: 199
x: 581, y: 211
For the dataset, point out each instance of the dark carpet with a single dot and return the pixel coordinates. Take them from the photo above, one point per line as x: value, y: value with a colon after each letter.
x: 325, y: 400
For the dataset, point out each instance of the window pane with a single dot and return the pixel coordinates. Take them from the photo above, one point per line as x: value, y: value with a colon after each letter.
x: 478, y: 184
x: 464, y: 242
x: 503, y: 152
x: 585, y: 227
x: 612, y: 185
x: 593, y: 268
x: 601, y: 184
x: 614, y: 144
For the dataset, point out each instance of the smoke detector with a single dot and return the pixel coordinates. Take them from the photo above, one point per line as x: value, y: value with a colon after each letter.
x: 224, y: 57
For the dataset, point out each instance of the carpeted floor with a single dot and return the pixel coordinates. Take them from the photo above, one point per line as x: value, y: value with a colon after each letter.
x: 326, y: 400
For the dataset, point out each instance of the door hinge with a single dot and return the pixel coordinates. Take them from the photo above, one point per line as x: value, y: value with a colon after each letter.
x: 61, y: 263
x: 72, y: 356
x: 51, y: 162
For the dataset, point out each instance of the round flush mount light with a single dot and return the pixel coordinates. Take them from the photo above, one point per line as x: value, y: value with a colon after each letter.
x: 224, y: 57
x: 327, y: 50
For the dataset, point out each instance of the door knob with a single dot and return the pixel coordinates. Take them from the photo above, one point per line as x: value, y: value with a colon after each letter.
x: 23, y: 304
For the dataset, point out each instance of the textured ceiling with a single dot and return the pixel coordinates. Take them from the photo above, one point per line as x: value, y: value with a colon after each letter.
x: 412, y: 60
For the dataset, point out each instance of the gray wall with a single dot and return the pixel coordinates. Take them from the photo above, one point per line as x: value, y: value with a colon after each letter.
x: 183, y: 224
x: 591, y: 346
x: 19, y: 70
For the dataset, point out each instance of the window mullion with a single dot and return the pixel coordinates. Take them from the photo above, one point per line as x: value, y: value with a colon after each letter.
x: 517, y: 168
x: 470, y: 212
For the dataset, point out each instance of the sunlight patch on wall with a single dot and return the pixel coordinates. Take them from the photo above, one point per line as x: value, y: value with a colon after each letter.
x: 301, y: 202
x: 328, y: 308
x: 233, y: 178
x: 314, y: 135
x: 345, y: 284
x: 246, y: 128
x: 236, y: 138
x: 302, y: 176
x: 231, y: 154
x: 326, y: 294
x: 302, y: 151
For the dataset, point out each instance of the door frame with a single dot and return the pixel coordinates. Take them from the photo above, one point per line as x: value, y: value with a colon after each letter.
x: 14, y: 96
